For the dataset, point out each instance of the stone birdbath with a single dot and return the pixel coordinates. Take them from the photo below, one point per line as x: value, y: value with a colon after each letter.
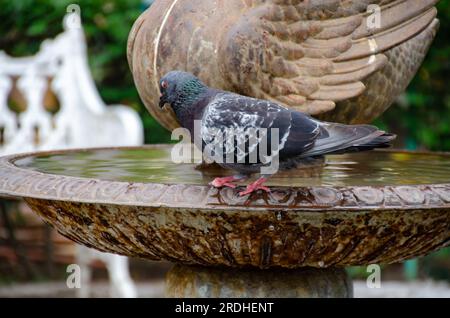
x: 367, y: 208
x: 360, y: 209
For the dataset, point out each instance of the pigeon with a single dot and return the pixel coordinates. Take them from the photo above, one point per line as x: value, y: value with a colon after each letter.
x: 289, y: 136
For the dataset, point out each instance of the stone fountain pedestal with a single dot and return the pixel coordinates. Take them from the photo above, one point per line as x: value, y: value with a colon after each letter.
x: 292, y: 242
x: 184, y: 281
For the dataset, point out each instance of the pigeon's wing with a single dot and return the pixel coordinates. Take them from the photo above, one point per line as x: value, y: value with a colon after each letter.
x: 243, y: 125
x: 311, y: 54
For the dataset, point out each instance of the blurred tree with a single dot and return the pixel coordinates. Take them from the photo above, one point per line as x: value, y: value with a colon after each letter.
x: 422, y: 118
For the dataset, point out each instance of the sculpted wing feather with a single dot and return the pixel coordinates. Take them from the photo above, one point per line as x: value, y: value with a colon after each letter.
x: 311, y: 54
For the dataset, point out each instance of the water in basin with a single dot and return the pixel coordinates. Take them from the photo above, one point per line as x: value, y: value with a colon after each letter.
x: 154, y: 164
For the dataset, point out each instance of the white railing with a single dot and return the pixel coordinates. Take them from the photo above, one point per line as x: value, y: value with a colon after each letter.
x: 83, y: 119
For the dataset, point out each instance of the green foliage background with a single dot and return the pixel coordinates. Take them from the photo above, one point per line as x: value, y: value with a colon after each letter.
x: 422, y: 120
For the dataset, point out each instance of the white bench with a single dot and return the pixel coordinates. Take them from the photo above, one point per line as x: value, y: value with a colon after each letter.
x: 83, y: 120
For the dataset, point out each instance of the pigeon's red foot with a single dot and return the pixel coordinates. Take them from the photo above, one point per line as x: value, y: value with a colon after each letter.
x: 255, y: 186
x: 224, y: 182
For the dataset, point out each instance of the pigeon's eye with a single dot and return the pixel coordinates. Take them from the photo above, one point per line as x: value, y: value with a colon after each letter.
x: 164, y: 84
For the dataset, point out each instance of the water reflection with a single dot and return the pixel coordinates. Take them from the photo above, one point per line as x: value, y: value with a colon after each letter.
x: 155, y: 165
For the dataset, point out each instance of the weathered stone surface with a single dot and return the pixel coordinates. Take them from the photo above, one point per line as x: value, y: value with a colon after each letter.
x: 202, y: 282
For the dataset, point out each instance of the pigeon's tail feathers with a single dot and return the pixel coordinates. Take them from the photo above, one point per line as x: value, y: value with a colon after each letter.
x: 338, y: 139
x: 383, y: 141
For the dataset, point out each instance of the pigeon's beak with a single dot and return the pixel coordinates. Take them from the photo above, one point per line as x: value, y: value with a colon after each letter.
x: 162, y: 101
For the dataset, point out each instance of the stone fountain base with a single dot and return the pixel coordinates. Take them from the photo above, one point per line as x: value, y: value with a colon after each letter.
x: 184, y: 281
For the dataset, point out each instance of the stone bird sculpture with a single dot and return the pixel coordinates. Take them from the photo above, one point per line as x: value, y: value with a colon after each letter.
x: 225, y: 120
x: 339, y: 60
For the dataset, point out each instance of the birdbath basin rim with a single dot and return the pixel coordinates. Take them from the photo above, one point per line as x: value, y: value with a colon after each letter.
x: 24, y: 180
x: 322, y: 225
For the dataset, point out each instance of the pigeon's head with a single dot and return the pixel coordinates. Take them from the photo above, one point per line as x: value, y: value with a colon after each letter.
x: 179, y: 89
